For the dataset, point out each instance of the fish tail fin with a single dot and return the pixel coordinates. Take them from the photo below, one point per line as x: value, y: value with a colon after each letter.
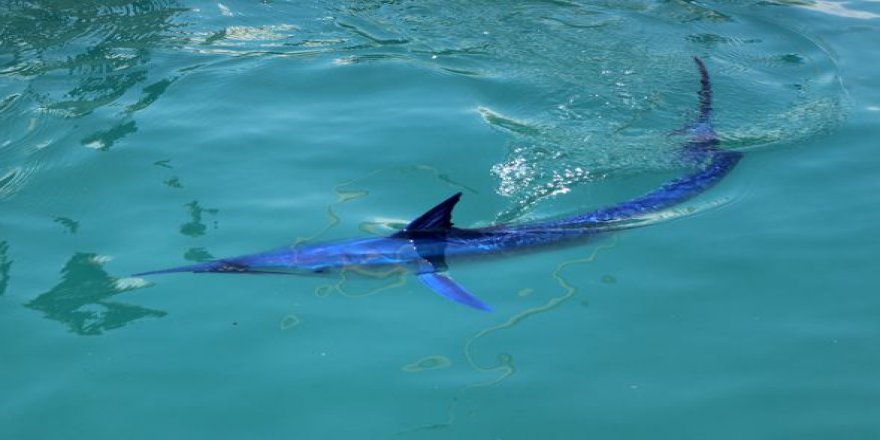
x: 701, y: 129
x: 703, y: 137
x: 705, y: 93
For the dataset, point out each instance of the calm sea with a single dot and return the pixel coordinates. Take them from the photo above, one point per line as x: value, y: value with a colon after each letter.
x: 138, y: 135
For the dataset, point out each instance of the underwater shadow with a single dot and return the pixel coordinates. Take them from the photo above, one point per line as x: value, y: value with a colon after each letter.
x: 5, y: 264
x: 81, y: 300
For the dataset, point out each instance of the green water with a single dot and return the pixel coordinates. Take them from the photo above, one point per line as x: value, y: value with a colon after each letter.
x: 138, y: 135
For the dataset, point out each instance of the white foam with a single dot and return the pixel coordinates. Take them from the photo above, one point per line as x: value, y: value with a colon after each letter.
x: 225, y: 10
x: 839, y: 9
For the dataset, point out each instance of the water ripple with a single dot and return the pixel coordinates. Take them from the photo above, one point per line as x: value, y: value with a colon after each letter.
x: 600, y: 85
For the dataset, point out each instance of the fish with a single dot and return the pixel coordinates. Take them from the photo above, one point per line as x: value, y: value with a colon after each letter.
x: 428, y: 242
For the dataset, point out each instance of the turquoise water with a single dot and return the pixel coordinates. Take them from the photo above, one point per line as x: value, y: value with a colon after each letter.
x: 141, y: 135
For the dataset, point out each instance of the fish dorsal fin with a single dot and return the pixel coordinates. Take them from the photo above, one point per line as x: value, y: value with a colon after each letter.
x: 438, y: 218
x: 428, y: 233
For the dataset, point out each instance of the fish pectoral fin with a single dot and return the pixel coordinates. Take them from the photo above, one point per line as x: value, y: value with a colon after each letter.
x: 448, y: 288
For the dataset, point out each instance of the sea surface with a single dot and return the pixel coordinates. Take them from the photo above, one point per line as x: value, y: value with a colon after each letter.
x: 140, y: 135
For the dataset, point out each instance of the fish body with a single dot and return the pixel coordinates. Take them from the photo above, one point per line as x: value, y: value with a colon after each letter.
x: 425, y: 244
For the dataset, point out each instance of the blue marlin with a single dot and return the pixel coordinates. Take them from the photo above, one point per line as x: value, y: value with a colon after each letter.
x: 425, y: 245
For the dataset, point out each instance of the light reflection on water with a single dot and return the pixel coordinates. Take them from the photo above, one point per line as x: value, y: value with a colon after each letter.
x: 604, y: 98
